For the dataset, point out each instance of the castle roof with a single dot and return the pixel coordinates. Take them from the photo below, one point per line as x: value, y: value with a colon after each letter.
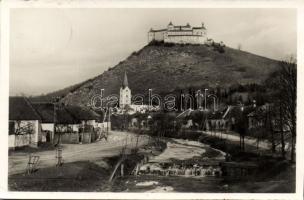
x: 125, y: 81
x: 159, y: 30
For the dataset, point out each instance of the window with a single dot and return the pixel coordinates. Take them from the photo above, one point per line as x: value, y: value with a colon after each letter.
x: 11, y: 128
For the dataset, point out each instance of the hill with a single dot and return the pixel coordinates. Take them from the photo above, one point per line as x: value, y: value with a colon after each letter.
x: 166, y: 68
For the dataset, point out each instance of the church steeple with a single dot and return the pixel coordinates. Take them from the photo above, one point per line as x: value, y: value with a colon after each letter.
x: 125, y: 81
x: 125, y: 93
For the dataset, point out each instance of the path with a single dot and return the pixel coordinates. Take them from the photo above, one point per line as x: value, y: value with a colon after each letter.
x: 78, y: 152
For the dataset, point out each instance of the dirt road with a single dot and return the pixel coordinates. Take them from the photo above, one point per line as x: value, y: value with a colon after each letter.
x: 79, y: 152
x: 235, y: 138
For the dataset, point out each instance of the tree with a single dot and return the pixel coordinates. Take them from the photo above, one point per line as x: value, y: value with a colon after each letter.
x: 288, y: 89
x: 241, y: 127
x: 284, y: 84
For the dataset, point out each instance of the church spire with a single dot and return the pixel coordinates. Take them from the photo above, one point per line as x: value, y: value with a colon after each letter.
x: 125, y: 81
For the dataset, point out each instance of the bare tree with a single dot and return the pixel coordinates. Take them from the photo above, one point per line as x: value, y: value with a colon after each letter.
x: 283, y: 83
x: 288, y: 89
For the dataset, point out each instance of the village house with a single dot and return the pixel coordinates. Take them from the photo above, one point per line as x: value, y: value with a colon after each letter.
x: 66, y: 127
x: 47, y: 116
x: 256, y: 117
x: 103, y: 123
x: 24, y: 123
x: 215, y: 121
x: 75, y: 124
x: 185, y: 117
x: 139, y: 121
x: 234, y: 112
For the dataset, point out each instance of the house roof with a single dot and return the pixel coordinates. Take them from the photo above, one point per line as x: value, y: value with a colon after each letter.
x: 82, y: 113
x: 215, y: 115
x: 45, y: 111
x: 257, y: 111
x: 63, y: 116
x: 185, y: 113
x: 233, y: 111
x: 21, y: 109
x: 101, y: 114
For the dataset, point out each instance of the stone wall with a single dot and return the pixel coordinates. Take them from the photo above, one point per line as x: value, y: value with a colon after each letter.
x: 158, y: 36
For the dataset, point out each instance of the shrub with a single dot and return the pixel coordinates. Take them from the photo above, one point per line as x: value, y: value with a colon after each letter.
x: 169, y: 44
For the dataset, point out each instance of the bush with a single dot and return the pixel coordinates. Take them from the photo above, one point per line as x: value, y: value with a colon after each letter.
x: 217, y: 47
x: 156, y: 43
x: 169, y: 44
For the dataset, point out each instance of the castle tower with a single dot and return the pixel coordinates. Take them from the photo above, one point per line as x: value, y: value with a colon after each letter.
x: 170, y: 26
x: 125, y: 93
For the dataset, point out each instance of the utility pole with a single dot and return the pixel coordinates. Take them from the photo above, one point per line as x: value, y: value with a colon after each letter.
x: 55, y: 102
x: 109, y: 114
x: 206, y: 99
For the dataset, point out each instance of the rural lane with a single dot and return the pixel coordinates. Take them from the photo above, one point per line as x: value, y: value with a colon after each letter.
x: 78, y: 152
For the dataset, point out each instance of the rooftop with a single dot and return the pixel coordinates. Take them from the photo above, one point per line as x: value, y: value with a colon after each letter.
x: 21, y: 109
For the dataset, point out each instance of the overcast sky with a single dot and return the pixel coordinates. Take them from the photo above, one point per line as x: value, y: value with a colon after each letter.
x: 54, y: 48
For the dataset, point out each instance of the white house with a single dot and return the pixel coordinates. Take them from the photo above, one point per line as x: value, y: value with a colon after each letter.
x: 46, y: 112
x: 24, y: 123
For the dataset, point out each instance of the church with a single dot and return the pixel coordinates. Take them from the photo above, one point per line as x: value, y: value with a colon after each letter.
x: 125, y: 93
x: 125, y: 98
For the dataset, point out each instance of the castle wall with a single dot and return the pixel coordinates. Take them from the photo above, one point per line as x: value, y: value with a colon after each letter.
x: 180, y: 35
x: 185, y: 39
x: 158, y: 36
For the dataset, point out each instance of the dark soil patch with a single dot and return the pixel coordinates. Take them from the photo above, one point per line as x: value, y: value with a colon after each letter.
x: 77, y: 176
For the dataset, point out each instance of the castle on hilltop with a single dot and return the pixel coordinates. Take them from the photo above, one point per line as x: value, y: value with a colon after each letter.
x: 179, y: 34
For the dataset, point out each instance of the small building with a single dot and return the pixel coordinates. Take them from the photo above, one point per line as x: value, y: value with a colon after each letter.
x: 84, y: 115
x: 24, y: 123
x: 87, y: 119
x: 209, y: 42
x: 66, y: 127
x: 256, y: 118
x: 234, y: 113
x: 46, y: 112
x: 215, y: 121
x: 103, y: 122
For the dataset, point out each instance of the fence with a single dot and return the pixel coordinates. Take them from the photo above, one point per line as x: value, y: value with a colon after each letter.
x: 76, y: 138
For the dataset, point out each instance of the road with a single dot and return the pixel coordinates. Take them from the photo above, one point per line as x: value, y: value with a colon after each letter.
x: 235, y: 138
x: 78, y: 152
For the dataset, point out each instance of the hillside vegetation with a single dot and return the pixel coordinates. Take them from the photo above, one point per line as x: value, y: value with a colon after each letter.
x: 167, y: 68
